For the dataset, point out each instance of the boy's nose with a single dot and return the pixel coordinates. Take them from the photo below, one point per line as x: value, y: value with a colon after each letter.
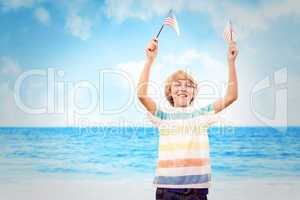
x: 183, y: 89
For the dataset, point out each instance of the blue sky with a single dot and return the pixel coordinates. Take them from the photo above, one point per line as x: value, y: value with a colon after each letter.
x: 79, y: 39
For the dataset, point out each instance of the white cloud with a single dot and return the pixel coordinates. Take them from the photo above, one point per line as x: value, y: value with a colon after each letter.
x: 9, y: 70
x: 15, y: 4
x: 192, y: 59
x: 189, y: 56
x: 42, y: 15
x: 132, y: 68
x: 9, y: 67
x: 7, y: 106
x: 247, y: 19
x: 282, y: 8
x: 257, y: 18
x: 145, y: 9
x: 78, y: 26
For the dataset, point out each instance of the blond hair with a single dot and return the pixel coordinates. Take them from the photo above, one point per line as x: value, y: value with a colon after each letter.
x: 179, y: 74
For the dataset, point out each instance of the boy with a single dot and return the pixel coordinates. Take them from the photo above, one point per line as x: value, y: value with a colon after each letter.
x: 183, y: 169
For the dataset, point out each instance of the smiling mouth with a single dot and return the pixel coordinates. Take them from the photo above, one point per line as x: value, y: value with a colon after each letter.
x: 182, y: 95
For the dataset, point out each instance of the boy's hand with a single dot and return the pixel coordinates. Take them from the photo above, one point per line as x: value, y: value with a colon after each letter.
x: 232, y: 52
x: 151, y: 50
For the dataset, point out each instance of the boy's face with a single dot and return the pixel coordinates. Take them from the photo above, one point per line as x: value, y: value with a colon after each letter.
x: 182, y: 91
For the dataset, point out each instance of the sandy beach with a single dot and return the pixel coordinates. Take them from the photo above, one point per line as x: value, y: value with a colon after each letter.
x: 143, y: 189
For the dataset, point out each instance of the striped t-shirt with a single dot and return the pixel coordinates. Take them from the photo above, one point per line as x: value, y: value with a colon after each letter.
x: 183, y: 154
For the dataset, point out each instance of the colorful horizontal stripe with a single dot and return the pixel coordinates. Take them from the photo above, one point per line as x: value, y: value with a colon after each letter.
x: 184, y: 115
x: 197, y: 185
x: 183, y: 171
x: 183, y: 154
x: 174, y: 130
x: 183, y: 138
x: 183, y: 163
x: 190, y: 145
x: 181, y: 180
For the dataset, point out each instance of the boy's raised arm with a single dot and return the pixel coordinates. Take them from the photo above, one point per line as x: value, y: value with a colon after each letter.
x: 142, y: 88
x: 232, y: 88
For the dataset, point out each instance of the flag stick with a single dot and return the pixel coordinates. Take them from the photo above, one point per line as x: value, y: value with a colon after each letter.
x: 230, y: 24
x: 161, y: 28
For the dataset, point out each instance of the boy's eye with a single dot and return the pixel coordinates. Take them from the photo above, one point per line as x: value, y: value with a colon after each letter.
x: 189, y: 85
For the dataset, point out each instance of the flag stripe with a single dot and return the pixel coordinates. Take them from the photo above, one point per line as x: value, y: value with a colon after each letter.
x: 172, y: 22
x: 229, y: 34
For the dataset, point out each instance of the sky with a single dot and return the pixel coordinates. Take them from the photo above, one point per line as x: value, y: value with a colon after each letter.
x: 76, y: 63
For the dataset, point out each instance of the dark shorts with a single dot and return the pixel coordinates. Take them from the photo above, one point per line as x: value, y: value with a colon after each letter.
x: 181, y: 194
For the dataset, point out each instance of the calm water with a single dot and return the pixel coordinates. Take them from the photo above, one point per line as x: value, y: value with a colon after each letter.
x: 27, y: 153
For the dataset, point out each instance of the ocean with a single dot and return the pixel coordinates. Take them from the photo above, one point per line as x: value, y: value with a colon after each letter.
x: 114, y: 152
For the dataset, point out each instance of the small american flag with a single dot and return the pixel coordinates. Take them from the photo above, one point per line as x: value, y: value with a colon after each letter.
x: 229, y: 34
x: 172, y: 22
